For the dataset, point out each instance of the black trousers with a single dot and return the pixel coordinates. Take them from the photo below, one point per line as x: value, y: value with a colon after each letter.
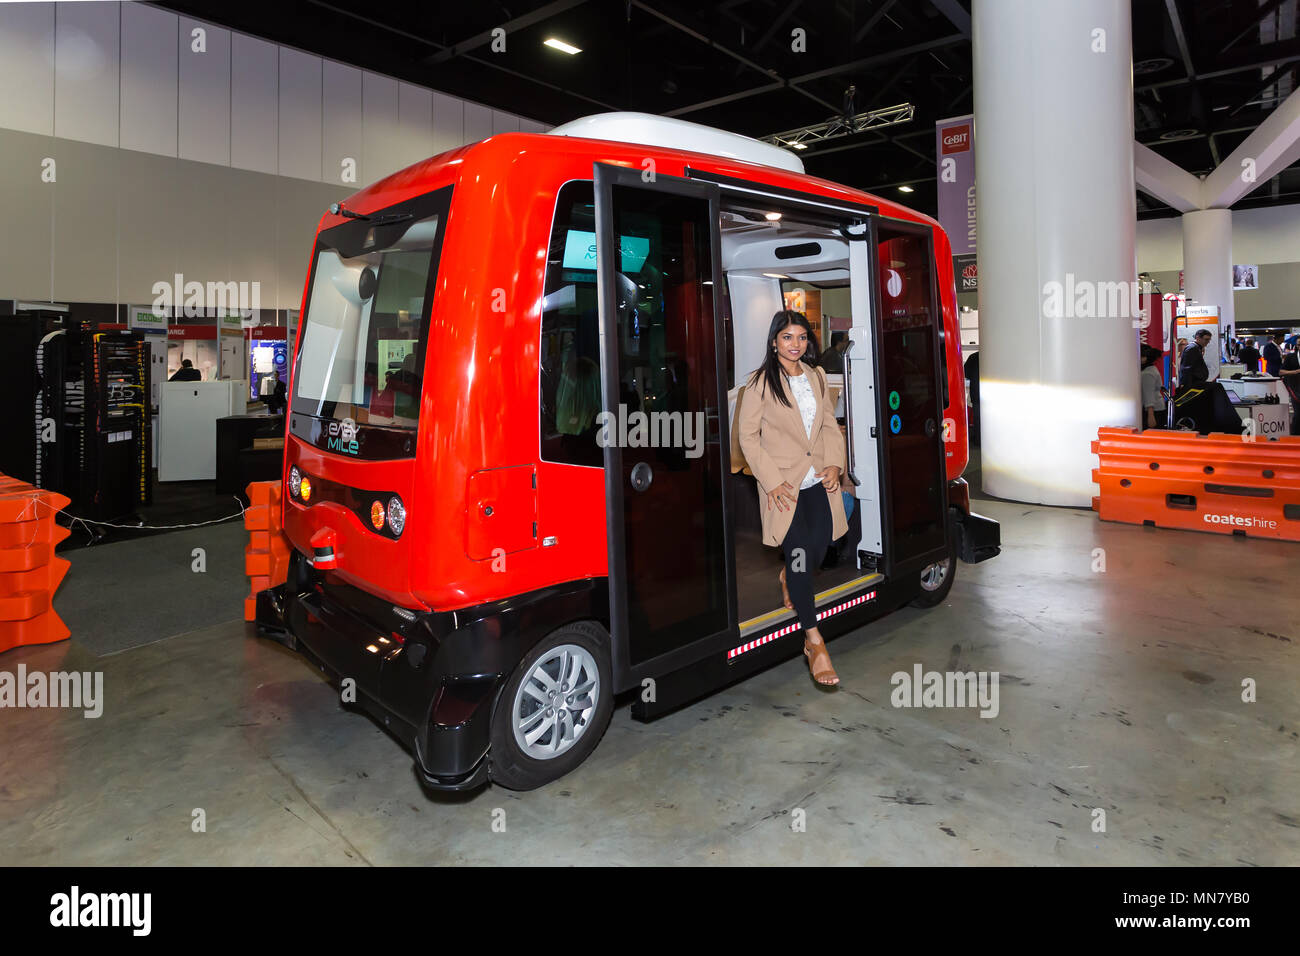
x: 805, y: 546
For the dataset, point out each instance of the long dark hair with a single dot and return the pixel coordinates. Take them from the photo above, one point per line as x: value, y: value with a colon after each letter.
x: 770, y: 371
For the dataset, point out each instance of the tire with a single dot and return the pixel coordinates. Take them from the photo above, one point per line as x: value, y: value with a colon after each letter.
x: 936, y: 582
x: 559, y: 743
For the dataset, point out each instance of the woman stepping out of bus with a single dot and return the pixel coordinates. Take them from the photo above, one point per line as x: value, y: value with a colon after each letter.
x: 793, y: 445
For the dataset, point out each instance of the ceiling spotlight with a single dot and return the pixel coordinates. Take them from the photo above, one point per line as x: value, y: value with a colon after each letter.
x: 773, y: 216
x: 560, y: 45
x: 905, y: 189
x: 799, y: 145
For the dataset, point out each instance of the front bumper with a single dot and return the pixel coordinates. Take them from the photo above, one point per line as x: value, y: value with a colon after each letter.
x: 402, y: 669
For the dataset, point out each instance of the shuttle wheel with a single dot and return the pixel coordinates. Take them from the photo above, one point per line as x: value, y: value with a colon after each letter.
x: 554, y: 709
x: 936, y: 582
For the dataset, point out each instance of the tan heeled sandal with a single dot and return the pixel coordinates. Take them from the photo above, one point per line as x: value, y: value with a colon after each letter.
x: 819, y: 662
x: 785, y: 592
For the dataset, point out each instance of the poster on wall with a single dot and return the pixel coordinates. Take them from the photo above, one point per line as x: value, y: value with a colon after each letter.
x: 954, y: 151
x: 1245, y: 277
x: 966, y: 274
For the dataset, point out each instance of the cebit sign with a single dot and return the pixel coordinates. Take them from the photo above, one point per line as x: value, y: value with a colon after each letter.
x: 956, y: 139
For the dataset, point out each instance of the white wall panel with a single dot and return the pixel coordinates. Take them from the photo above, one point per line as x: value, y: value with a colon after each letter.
x: 204, y: 127
x: 300, y: 114
x: 149, y: 88
x: 380, y: 127
x: 415, y: 117
x: 27, y: 67
x: 86, y: 72
x: 254, y: 104
x: 531, y: 126
x: 448, y: 122
x: 504, y: 122
x: 478, y: 123
x: 342, y: 133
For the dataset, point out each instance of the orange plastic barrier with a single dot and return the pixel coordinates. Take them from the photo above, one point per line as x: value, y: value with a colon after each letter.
x: 1217, y: 483
x: 29, y: 571
x: 266, y: 559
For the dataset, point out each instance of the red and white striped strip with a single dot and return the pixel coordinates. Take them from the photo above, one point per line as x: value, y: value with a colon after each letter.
x: 790, y: 628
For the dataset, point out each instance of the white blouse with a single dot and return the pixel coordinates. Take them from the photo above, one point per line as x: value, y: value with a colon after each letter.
x: 808, y: 407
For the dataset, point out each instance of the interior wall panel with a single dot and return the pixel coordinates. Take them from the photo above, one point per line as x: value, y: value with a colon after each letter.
x: 448, y: 122
x: 25, y: 266
x: 415, y: 118
x: 380, y: 127
x: 300, y: 114
x: 149, y: 81
x: 86, y: 72
x: 504, y: 122
x: 343, y: 127
x: 85, y: 248
x: 154, y: 223
x: 27, y: 67
x: 204, y: 93
x: 254, y: 104
x: 478, y: 123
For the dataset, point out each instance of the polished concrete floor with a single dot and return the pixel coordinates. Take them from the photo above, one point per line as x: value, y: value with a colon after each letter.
x: 1121, y: 690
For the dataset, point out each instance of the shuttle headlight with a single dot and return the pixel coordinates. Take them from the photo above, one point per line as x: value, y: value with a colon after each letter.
x: 396, y: 515
x: 295, y: 481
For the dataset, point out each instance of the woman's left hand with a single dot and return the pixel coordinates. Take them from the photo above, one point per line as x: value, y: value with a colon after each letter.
x: 830, y: 476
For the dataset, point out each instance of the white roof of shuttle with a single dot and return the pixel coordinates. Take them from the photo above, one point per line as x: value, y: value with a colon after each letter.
x: 664, y: 131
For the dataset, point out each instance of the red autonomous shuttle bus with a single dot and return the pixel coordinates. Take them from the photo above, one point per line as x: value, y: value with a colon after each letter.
x: 472, y: 549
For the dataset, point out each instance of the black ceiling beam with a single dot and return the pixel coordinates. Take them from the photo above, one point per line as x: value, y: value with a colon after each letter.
x: 1273, y: 54
x: 873, y: 20
x: 1198, y: 97
x: 473, y: 59
x: 518, y: 23
x: 766, y: 38
x: 864, y: 63
x: 957, y: 16
x: 713, y: 44
x: 1257, y: 17
x: 1273, y: 78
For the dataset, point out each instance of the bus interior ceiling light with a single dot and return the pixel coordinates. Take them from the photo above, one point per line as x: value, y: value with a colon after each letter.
x: 560, y: 45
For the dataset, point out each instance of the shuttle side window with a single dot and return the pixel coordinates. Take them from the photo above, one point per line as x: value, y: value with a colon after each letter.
x: 570, y: 347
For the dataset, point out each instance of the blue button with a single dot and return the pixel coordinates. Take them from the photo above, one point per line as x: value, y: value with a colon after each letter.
x: 895, y: 424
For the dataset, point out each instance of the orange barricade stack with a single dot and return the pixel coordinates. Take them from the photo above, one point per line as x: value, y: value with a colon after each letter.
x: 266, y: 559
x: 1219, y: 483
x: 29, y: 571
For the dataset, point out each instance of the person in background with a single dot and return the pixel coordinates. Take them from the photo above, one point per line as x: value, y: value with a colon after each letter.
x: 1248, y: 355
x: 1233, y: 346
x: 1153, y: 389
x: 1272, y: 354
x: 1290, y: 373
x: 187, y: 373
x: 1192, y: 369
x: 832, y: 359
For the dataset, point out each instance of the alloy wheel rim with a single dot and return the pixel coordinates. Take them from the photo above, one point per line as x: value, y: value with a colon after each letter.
x: 934, y: 575
x: 555, y: 703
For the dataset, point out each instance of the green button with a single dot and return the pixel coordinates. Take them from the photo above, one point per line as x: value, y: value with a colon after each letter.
x: 893, y: 400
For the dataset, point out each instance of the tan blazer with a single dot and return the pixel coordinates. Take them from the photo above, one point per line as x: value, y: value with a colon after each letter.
x: 778, y: 449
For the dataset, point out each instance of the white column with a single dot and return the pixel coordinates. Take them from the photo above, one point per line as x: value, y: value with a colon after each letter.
x: 1207, y: 261
x: 1057, y: 216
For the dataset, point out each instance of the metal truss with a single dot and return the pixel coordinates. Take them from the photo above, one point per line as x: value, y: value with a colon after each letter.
x: 840, y: 126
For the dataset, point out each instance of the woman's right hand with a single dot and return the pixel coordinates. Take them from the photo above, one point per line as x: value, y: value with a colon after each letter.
x: 782, y: 497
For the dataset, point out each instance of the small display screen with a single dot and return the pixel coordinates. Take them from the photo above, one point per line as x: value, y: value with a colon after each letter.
x: 580, y: 251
